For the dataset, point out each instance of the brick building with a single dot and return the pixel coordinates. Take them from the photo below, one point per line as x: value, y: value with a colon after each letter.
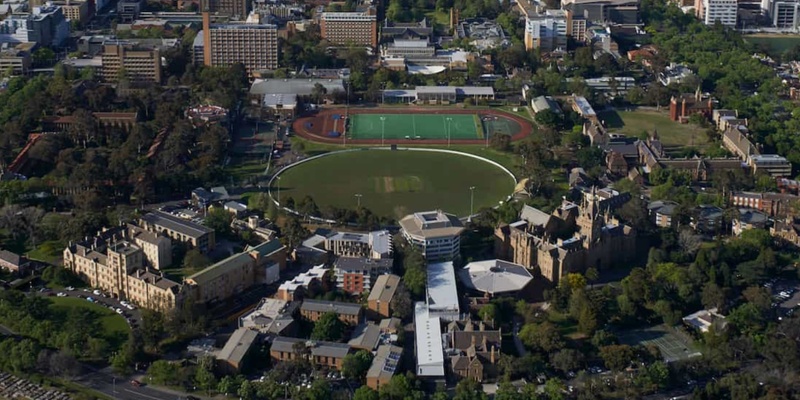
x: 382, y: 293
x: 321, y: 354
x: 313, y: 310
x: 686, y: 104
x: 345, y: 28
x: 355, y: 275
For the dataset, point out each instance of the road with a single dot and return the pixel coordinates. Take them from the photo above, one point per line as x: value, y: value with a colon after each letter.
x: 120, y: 388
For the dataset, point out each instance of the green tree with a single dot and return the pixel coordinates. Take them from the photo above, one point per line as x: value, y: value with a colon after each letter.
x: 544, y: 337
x: 195, y: 260
x: 567, y: 360
x: 468, y: 389
x: 617, y: 357
x: 328, y: 327
x: 365, y: 393
x: 219, y: 220
x: 246, y: 390
x: 204, y: 375
x: 162, y: 372
x: 355, y: 366
x: 488, y: 312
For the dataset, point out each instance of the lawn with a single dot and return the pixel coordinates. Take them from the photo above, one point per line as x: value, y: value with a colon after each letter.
x: 775, y: 43
x: 672, y: 134
x: 115, y: 329
x: 49, y: 252
x: 395, y: 183
x: 410, y: 126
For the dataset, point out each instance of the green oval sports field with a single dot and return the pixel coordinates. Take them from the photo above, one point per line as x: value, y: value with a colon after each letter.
x: 396, y: 183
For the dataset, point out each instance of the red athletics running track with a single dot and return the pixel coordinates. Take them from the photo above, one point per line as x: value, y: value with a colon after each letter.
x: 322, y: 123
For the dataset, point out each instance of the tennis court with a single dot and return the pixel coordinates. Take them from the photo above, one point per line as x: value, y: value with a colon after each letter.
x: 415, y: 126
x: 673, y: 344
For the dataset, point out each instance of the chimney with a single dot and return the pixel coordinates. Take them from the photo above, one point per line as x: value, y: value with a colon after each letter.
x: 491, y: 357
x: 473, y: 340
x: 481, y: 326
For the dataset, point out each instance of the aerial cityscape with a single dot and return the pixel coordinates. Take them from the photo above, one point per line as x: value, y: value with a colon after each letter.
x: 399, y: 200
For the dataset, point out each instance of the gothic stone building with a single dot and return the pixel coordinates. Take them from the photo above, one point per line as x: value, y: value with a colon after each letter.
x: 571, y: 239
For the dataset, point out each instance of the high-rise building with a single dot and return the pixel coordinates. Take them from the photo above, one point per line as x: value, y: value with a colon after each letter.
x: 235, y: 8
x: 547, y: 31
x: 785, y: 14
x: 46, y: 26
x: 346, y: 28
x: 137, y: 65
x: 253, y: 45
x: 711, y: 11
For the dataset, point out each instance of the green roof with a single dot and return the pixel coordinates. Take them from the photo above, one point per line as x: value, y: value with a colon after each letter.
x: 220, y: 268
x: 266, y: 248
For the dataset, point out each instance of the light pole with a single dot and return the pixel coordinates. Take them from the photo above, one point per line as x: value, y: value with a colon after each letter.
x: 358, y: 199
x: 383, y: 128
x: 471, y: 202
x: 448, y: 131
x: 278, y: 178
x: 114, y: 384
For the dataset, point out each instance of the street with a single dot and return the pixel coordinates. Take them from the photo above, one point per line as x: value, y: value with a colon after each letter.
x: 121, y: 388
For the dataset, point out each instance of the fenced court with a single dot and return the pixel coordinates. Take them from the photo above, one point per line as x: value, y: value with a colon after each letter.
x: 410, y: 125
x: 414, y: 126
x: 673, y: 344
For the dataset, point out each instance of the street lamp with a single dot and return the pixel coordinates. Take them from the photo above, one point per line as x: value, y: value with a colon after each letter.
x: 383, y: 128
x: 449, y: 119
x: 471, y: 202
x: 358, y: 199
x: 278, y: 178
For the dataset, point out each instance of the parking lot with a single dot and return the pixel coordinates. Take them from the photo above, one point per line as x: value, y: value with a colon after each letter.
x: 785, y: 296
x: 130, y: 312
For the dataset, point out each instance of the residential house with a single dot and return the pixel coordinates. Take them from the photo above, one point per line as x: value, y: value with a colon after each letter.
x: 14, y: 262
x: 749, y: 219
x: 321, y: 354
x: 382, y: 293
x: 313, y: 310
x: 365, y: 336
x: 384, y: 365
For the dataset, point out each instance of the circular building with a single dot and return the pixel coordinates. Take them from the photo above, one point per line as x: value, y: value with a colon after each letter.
x: 495, y: 277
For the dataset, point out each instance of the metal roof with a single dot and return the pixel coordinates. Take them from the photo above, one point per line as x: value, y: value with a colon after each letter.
x: 363, y: 264
x: 365, y: 336
x: 429, y: 344
x: 176, y: 224
x: 325, y: 349
x: 384, y: 288
x: 385, y: 362
x: 331, y: 306
x: 495, y: 276
x: 442, y: 293
x: 300, y: 87
x: 238, y: 345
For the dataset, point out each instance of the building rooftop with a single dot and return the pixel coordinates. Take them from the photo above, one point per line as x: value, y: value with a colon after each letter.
x: 279, y: 99
x: 442, y: 293
x: 238, y: 345
x: 542, y: 103
x: 431, y: 224
x: 583, y: 105
x: 11, y: 258
x: 331, y: 306
x: 428, y: 342
x: 365, y: 336
x: 214, y: 271
x: 665, y: 207
x: 300, y: 87
x: 495, y: 276
x: 176, y: 224
x: 270, y: 316
x: 385, y: 362
x: 384, y: 288
x: 267, y: 248
x: 324, y: 349
x: 304, y: 279
x: 363, y: 264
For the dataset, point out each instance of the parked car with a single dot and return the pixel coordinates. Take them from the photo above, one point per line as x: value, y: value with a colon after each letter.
x: 70, y: 288
x: 119, y: 311
x: 136, y: 383
x: 90, y: 300
x: 130, y: 307
x: 96, y: 292
x: 61, y: 294
x: 123, y: 302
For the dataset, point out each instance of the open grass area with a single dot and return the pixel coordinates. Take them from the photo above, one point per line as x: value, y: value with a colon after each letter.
x: 506, y: 159
x: 672, y: 134
x: 49, y: 252
x: 566, y: 325
x: 411, y: 126
x: 774, y: 44
x: 395, y: 183
x: 115, y: 329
